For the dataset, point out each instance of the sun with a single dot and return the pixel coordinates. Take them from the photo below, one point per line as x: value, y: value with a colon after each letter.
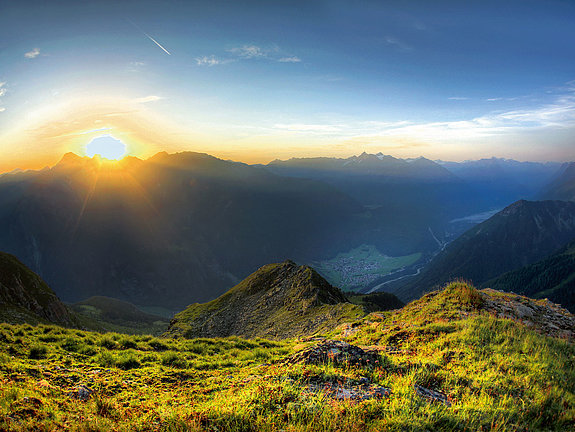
x: 107, y: 147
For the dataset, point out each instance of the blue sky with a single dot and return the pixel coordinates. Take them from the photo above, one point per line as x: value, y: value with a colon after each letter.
x: 258, y: 80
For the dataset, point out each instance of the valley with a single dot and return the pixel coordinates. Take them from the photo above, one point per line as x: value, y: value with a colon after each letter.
x: 361, y: 266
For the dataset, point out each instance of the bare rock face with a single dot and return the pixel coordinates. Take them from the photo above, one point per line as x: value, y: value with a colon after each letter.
x: 543, y: 316
x: 24, y: 296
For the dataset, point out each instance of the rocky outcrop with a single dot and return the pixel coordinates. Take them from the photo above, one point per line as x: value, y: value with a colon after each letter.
x: 337, y: 353
x: 543, y: 316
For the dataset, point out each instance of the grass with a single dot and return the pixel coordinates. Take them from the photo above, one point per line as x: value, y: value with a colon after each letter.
x: 497, y: 374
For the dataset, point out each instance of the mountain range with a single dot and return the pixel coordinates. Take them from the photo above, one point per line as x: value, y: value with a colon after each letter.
x: 182, y: 228
x: 519, y: 235
x: 166, y: 231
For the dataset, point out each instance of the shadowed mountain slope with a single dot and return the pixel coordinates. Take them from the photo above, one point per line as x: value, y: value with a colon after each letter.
x: 552, y: 278
x: 562, y: 187
x: 110, y: 314
x: 167, y: 231
x: 25, y: 297
x: 278, y: 301
x: 519, y: 235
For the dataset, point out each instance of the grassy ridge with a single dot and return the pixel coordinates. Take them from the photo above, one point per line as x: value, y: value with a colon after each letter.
x: 496, y: 373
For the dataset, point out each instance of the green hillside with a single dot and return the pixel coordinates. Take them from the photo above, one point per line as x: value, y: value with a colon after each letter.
x: 552, y: 278
x: 277, y: 301
x: 458, y: 359
x: 110, y: 314
x: 26, y: 298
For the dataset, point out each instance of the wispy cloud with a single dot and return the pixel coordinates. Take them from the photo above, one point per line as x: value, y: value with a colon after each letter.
x: 292, y: 59
x: 497, y: 99
x: 248, y: 51
x: 135, y: 66
x: 2, y: 93
x: 94, y: 130
x: 211, y: 61
x: 147, y: 99
x: 557, y: 114
x: 32, y: 54
x: 458, y: 98
x: 398, y: 44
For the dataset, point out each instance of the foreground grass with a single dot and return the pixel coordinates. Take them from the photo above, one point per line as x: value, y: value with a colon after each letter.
x: 497, y: 374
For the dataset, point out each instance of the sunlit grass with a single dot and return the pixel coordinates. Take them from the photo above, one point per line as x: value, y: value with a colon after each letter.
x: 497, y: 374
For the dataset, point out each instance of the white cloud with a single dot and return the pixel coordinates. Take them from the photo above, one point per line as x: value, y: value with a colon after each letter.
x: 558, y: 114
x: 146, y: 99
x: 248, y: 51
x: 32, y: 54
x: 292, y: 59
x: 2, y: 93
x: 458, y: 98
x: 210, y: 61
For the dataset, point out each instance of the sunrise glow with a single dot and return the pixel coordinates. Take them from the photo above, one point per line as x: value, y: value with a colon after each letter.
x: 107, y: 147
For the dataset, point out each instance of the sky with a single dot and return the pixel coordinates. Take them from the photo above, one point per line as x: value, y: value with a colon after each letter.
x: 258, y: 80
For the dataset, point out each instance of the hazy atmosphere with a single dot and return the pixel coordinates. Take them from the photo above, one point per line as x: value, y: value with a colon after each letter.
x: 255, y: 81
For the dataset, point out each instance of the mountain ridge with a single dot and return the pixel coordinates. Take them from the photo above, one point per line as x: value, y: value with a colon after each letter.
x: 521, y: 234
x: 277, y: 301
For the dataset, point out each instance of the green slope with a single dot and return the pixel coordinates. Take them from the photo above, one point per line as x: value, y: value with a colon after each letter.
x: 552, y: 278
x: 110, y: 314
x: 455, y: 360
x: 25, y: 297
x: 277, y: 301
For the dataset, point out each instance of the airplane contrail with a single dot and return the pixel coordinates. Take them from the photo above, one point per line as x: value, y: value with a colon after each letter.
x: 150, y: 37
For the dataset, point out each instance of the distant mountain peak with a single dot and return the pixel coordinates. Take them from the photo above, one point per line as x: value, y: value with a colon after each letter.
x: 70, y: 157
